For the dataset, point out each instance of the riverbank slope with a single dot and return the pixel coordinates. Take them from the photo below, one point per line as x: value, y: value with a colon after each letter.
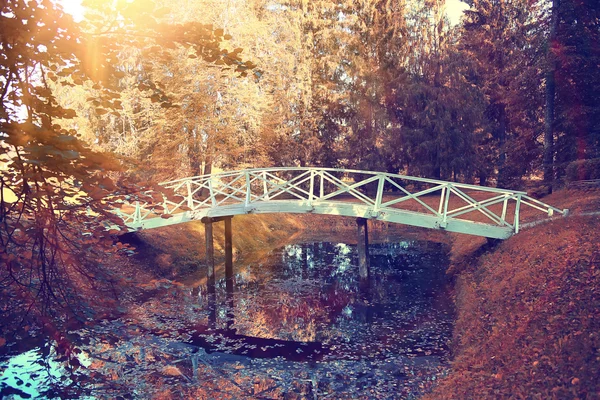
x: 528, y: 322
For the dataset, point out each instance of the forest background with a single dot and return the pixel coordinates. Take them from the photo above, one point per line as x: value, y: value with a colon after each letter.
x: 141, y: 91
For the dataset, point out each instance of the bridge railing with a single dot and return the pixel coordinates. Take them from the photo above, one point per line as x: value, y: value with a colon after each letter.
x: 379, y: 195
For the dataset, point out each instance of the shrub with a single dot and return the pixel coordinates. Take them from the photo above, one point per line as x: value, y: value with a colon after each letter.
x: 583, y: 170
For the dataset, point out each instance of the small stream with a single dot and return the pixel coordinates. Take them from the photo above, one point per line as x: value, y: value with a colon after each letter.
x: 298, y: 324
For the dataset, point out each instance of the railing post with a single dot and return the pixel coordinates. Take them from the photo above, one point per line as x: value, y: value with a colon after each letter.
x: 442, y: 197
x: 265, y: 191
x: 312, y: 187
x: 504, y: 208
x: 165, y: 205
x: 190, y: 201
x: 137, y: 215
x: 517, y: 209
x: 248, y: 188
x: 379, y: 195
x: 321, y: 189
x: 211, y: 193
x: 445, y: 210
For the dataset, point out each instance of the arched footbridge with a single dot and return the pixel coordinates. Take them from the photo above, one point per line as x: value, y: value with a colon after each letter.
x: 428, y: 203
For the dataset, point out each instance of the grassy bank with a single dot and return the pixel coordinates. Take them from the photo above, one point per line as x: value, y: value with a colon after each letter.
x: 528, y: 321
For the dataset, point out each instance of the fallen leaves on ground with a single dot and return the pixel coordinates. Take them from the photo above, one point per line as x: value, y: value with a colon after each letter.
x: 528, y: 323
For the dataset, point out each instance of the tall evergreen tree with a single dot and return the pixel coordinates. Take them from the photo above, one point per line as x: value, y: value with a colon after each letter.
x: 497, y: 37
x: 576, y: 52
x: 550, y: 97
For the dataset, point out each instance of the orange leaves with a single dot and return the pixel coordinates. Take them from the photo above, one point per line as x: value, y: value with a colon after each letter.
x: 171, y: 371
x: 97, y: 193
x: 540, y: 294
x: 107, y: 184
x: 134, y: 10
x: 27, y: 254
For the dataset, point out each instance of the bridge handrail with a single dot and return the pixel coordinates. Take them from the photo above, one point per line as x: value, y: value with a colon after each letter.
x: 317, y: 189
x: 350, y: 171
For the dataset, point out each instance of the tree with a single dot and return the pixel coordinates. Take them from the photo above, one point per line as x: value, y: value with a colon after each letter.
x: 575, y: 51
x: 165, y: 74
x: 493, y: 38
x: 57, y: 200
x: 550, y: 94
x: 52, y: 185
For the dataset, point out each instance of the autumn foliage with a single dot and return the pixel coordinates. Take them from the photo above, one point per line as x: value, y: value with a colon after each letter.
x: 95, y: 113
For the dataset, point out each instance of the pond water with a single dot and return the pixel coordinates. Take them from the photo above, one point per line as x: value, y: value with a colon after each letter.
x: 297, y: 324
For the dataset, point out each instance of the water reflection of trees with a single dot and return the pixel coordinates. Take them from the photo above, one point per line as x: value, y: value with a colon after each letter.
x: 388, y: 340
x: 311, y: 291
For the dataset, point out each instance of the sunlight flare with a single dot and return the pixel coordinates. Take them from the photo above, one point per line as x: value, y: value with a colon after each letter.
x: 455, y: 10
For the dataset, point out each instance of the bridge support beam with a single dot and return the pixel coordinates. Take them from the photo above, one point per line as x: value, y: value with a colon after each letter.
x: 363, y: 250
x: 210, y: 266
x: 210, y: 255
x: 212, y: 311
x: 228, y: 255
x: 229, y: 271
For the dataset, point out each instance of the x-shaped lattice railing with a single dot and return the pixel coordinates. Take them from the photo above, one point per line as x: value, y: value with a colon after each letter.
x: 392, y: 197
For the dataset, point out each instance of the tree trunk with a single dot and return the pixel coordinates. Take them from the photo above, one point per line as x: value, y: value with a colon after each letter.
x: 550, y: 96
x: 207, y: 170
x: 193, y: 153
x: 207, y: 166
x: 482, y: 178
x: 502, y: 175
x: 437, y: 171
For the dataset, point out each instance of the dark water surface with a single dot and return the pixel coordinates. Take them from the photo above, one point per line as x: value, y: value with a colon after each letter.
x: 299, y: 324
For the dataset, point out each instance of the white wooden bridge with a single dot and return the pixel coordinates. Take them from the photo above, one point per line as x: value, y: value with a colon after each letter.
x: 428, y: 203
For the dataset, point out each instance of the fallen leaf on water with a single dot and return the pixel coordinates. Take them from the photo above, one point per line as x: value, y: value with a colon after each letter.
x: 171, y: 370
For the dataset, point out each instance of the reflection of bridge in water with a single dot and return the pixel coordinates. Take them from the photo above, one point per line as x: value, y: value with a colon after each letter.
x: 229, y: 342
x: 302, y: 301
x: 434, y: 204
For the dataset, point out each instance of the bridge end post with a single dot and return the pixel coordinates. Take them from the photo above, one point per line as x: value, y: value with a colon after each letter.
x: 517, y: 212
x: 363, y: 250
